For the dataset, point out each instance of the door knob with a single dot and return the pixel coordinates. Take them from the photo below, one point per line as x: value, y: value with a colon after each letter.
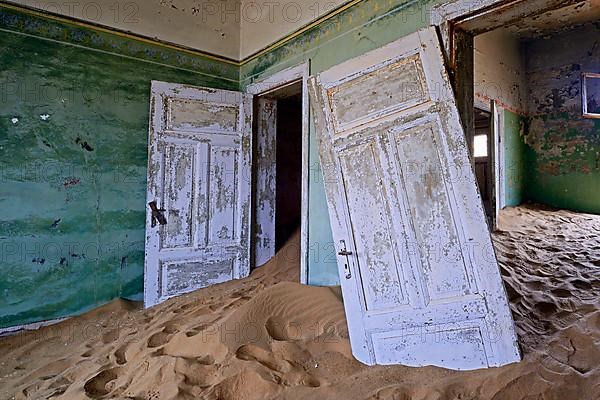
x: 345, y: 253
x: 157, y: 214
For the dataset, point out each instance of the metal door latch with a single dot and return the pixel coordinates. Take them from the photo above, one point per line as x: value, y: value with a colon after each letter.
x: 157, y: 214
x: 345, y: 253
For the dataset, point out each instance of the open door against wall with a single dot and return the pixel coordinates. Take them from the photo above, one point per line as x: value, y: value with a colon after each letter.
x: 497, y: 117
x: 420, y: 280
x: 198, y: 217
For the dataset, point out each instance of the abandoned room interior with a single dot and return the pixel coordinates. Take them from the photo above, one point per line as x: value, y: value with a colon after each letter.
x: 347, y: 199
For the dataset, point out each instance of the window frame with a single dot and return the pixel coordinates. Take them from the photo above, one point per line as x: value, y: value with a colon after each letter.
x: 584, y: 99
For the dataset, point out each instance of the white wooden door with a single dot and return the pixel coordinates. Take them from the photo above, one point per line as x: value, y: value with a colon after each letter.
x: 265, y: 194
x: 498, y: 136
x: 199, y: 168
x: 419, y: 276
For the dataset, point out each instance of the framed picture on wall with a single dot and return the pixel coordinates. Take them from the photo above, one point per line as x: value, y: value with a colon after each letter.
x: 591, y: 95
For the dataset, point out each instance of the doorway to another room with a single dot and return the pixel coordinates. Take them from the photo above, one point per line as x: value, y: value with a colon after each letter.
x: 521, y: 76
x: 280, y: 170
x: 481, y: 151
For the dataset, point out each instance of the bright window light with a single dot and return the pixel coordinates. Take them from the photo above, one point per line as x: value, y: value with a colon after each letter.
x: 480, y: 146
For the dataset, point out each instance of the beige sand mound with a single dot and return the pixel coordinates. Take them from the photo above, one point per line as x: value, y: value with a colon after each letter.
x: 265, y: 337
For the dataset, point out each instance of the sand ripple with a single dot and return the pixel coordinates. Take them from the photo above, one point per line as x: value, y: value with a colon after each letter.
x: 268, y: 338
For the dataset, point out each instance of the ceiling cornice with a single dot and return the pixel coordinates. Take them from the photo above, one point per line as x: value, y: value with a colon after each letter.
x: 102, y: 28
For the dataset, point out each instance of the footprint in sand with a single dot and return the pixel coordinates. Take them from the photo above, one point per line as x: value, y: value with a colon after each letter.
x: 392, y: 393
x: 545, y: 308
x: 562, y: 293
x: 170, y: 329
x: 581, y: 284
x: 251, y: 352
x: 200, y: 312
x: 234, y: 304
x: 291, y: 376
x: 101, y: 384
x: 183, y: 308
x: 162, y: 337
x: 196, y: 330
x: 280, y: 330
x: 120, y: 354
x: 158, y: 339
x: 216, y: 306
x: 88, y: 353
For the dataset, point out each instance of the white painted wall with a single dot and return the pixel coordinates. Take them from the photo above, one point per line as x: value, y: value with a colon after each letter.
x: 500, y: 71
x: 265, y: 21
x: 212, y: 26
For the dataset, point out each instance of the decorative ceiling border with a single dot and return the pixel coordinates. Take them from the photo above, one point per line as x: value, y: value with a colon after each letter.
x: 172, y: 46
x: 114, y: 31
x: 300, y: 31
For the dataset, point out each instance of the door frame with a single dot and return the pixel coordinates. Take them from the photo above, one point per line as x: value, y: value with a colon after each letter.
x: 271, y: 83
x: 499, y: 167
x: 368, y: 136
x: 492, y: 159
x: 458, y: 22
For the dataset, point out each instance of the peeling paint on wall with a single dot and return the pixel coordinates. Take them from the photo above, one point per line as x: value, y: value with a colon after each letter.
x: 363, y: 27
x: 563, y: 152
x: 73, y: 157
x: 103, y: 42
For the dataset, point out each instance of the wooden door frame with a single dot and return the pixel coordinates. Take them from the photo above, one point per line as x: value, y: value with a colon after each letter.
x: 349, y: 137
x: 278, y: 80
x: 458, y: 22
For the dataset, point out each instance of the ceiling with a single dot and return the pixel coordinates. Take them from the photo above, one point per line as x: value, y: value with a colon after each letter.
x: 554, y: 21
x: 233, y: 29
x: 533, y: 18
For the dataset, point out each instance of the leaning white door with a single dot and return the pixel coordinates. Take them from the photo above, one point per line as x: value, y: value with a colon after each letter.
x: 419, y: 275
x: 198, y: 215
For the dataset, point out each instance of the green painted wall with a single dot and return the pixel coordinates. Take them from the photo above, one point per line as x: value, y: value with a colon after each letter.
x: 530, y: 170
x: 73, y: 155
x: 366, y: 26
x: 565, y: 171
x: 73, y: 184
x: 514, y: 158
x: 563, y: 148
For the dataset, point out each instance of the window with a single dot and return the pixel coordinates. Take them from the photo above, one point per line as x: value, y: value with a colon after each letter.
x: 591, y: 95
x: 480, y: 146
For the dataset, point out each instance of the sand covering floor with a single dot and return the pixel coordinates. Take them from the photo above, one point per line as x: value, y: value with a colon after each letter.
x: 266, y: 337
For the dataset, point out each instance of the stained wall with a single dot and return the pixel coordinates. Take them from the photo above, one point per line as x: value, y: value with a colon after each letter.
x: 500, y: 75
x: 363, y: 27
x: 211, y: 26
x: 563, y: 148
x: 73, y: 153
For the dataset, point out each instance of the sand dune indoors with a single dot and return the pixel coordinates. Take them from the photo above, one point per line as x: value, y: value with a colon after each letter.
x: 267, y: 337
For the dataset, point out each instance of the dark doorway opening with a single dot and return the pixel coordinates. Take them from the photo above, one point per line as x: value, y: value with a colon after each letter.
x: 277, y: 170
x: 481, y: 145
x: 289, y: 167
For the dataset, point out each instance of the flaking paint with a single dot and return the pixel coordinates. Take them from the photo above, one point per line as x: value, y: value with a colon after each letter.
x: 71, y: 212
x: 562, y: 148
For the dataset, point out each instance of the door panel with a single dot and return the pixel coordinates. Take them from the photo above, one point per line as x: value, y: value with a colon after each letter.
x: 178, y: 183
x: 365, y: 195
x: 420, y: 280
x: 223, y: 200
x: 199, y: 180
x: 443, y: 266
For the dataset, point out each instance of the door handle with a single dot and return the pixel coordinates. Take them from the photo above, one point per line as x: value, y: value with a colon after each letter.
x: 157, y: 214
x: 345, y: 253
